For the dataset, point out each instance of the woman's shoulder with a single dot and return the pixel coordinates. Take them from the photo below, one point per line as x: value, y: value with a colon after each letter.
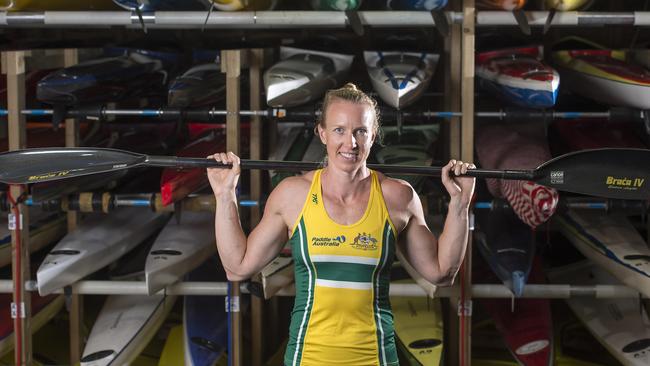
x: 295, y: 186
x: 395, y: 191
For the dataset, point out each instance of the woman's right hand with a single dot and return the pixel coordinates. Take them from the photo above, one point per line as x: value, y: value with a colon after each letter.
x: 224, y: 180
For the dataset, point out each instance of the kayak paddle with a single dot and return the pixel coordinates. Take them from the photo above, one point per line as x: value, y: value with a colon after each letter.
x: 610, y: 173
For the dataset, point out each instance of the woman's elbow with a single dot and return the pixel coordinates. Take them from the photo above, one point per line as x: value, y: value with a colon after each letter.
x: 237, y: 276
x: 445, y: 278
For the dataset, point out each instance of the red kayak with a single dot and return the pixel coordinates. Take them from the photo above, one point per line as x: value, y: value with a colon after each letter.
x: 528, y: 329
x: 43, y: 309
x: 574, y: 135
x: 517, y: 147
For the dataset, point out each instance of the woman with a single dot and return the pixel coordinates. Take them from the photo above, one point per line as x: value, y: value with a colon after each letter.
x: 343, y: 222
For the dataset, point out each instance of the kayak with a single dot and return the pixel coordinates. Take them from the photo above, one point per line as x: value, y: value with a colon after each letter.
x: 603, y: 75
x: 43, y: 309
x: 335, y: 4
x: 611, y: 242
x: 97, y: 241
x: 179, y: 248
x: 129, y: 75
x: 246, y: 5
x: 427, y: 5
x: 566, y: 5
x: 400, y: 78
x: 40, y: 5
x: 173, y: 353
x: 500, y: 4
x: 526, y: 324
x: 519, y: 76
x: 124, y: 327
x: 200, y: 86
x: 616, y: 323
x: 163, y: 5
x: 276, y: 275
x: 516, y: 147
x: 303, y: 76
x: 176, y: 184
x: 418, y: 328
x: 205, y: 321
x: 292, y: 145
x: 44, y: 230
x: 507, y: 246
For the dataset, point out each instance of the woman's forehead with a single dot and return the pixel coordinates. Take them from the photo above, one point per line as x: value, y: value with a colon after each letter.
x: 345, y: 111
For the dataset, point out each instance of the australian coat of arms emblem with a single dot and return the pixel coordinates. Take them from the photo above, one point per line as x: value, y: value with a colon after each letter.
x: 364, y: 241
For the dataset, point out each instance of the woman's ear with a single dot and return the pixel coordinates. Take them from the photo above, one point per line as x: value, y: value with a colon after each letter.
x: 321, y: 133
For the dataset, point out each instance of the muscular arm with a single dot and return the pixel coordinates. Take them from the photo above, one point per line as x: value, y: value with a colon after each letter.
x: 242, y: 257
x: 436, y: 259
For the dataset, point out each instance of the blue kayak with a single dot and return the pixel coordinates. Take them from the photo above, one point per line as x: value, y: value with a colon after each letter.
x: 427, y: 5
x: 205, y: 319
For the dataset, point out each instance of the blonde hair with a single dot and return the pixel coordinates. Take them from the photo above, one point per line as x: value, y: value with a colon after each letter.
x: 351, y: 93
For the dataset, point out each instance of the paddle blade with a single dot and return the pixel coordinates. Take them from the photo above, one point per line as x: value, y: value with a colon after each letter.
x: 610, y: 173
x: 47, y: 164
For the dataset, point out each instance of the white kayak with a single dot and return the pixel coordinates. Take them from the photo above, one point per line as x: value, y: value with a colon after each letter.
x: 97, y: 241
x: 400, y: 78
x: 124, y: 327
x: 179, y: 248
x: 617, y: 323
x: 611, y: 242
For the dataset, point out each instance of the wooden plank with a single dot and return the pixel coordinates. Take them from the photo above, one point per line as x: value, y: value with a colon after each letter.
x: 256, y: 60
x: 70, y: 58
x: 17, y: 133
x: 231, y: 65
x: 467, y: 155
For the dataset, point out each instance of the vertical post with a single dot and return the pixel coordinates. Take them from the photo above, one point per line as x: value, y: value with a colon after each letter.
x: 256, y: 60
x: 452, y: 130
x: 467, y: 154
x: 71, y: 57
x: 15, y: 68
x: 231, y: 65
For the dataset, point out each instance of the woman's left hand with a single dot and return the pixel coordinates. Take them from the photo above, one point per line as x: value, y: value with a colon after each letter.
x: 459, y: 188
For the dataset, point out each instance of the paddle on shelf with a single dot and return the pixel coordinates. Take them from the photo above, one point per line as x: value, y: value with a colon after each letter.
x: 610, y: 173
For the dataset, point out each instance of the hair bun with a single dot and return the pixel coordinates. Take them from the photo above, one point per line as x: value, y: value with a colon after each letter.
x: 351, y: 86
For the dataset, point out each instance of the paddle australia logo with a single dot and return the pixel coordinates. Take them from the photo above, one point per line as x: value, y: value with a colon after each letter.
x: 557, y: 177
x: 34, y: 178
x: 324, y: 241
x: 624, y: 183
x: 364, y: 241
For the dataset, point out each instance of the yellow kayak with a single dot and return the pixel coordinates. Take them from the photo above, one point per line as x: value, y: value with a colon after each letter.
x: 566, y: 5
x: 418, y: 328
x: 37, y: 5
x: 173, y: 352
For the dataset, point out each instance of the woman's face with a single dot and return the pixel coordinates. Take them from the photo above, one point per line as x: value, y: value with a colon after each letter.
x: 348, y: 133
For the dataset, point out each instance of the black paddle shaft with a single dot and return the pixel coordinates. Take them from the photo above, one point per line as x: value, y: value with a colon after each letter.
x: 173, y: 161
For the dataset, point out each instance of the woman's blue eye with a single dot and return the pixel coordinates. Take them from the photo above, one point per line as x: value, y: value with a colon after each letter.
x: 338, y: 129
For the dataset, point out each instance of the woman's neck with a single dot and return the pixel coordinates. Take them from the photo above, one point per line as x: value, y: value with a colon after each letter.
x: 344, y: 184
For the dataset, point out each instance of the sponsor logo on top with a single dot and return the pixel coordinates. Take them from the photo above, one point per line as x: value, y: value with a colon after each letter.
x: 48, y: 176
x: 364, y: 241
x: 324, y: 241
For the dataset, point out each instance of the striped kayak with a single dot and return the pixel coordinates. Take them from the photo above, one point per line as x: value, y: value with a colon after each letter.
x: 335, y: 4
x: 97, y: 241
x: 617, y: 323
x: 302, y: 76
x: 124, y: 327
x: 519, y: 76
x: 180, y: 247
x: 418, y: 328
x: 517, y: 147
x: 43, y: 309
x: 205, y: 321
x: 507, y: 246
x: 507, y: 5
x: 603, y: 75
x: 611, y: 242
x: 400, y: 78
x: 41, y: 5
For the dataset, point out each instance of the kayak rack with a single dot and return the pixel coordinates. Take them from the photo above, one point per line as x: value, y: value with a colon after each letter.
x: 492, y: 291
x: 209, y: 115
x: 302, y: 19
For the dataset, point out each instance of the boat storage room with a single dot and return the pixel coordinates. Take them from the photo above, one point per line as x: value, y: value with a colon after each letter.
x: 325, y: 182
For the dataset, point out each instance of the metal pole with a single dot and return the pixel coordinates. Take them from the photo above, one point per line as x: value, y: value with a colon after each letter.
x: 486, y: 291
